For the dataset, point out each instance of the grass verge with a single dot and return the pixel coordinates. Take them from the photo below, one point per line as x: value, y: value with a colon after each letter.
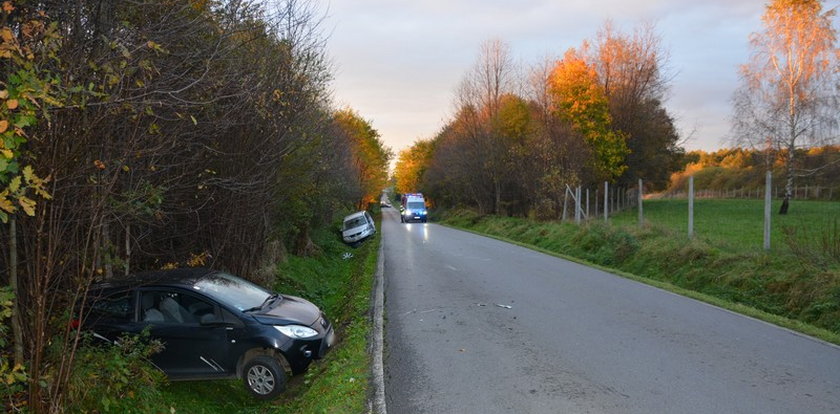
x: 774, y: 287
x: 338, y: 383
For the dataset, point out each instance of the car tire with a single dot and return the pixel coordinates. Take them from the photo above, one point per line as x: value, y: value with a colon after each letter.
x: 264, y: 378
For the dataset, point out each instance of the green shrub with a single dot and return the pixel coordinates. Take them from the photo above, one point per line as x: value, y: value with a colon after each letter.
x: 116, y: 379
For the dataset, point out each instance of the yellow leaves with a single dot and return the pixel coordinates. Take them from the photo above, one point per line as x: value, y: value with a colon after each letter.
x: 7, y: 7
x: 198, y: 260
x: 14, y: 185
x: 28, y: 205
x: 5, y: 204
x: 7, y: 153
x: 6, y: 35
x: 4, y: 94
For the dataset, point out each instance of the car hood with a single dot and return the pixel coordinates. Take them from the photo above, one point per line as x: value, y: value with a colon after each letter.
x: 289, y: 310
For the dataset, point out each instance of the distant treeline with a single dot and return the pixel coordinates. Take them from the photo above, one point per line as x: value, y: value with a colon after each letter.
x: 744, y: 169
x: 144, y: 134
x: 513, y: 146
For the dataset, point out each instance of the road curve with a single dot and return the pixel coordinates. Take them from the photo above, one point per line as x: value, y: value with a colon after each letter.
x: 475, y: 325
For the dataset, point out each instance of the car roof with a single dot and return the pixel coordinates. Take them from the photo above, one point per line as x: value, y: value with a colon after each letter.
x: 354, y: 215
x: 183, y: 277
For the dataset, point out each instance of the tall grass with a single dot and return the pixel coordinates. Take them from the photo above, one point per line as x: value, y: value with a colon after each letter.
x: 337, y: 384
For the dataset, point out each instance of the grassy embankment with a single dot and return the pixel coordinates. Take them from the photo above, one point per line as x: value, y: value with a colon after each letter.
x: 798, y: 288
x: 336, y: 384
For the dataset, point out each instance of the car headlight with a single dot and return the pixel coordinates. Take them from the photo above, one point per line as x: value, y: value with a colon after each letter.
x: 296, y: 331
x: 407, y: 212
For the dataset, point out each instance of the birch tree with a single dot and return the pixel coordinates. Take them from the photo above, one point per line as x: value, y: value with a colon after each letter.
x: 788, y: 97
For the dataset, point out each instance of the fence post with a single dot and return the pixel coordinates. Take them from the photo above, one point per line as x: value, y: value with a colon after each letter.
x: 577, y: 205
x: 587, y: 203
x: 767, y: 200
x: 639, y: 200
x: 596, y: 202
x: 691, y: 206
x: 606, y: 201
x: 565, y: 199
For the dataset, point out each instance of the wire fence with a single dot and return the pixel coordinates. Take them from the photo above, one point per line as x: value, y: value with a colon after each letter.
x: 599, y: 203
x: 799, y: 193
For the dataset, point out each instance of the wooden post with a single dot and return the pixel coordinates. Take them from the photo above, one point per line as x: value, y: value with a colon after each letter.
x: 767, y: 201
x: 639, y: 201
x: 577, y: 206
x: 691, y: 206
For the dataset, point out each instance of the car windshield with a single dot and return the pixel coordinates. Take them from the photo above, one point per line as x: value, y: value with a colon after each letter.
x: 353, y: 223
x: 232, y: 290
x: 416, y: 205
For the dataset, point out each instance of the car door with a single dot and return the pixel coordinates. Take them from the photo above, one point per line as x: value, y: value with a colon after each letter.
x: 192, y: 330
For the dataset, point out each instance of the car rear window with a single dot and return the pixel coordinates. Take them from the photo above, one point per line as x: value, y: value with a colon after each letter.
x: 232, y: 290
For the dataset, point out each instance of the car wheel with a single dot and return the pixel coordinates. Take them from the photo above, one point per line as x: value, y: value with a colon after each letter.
x: 264, y: 378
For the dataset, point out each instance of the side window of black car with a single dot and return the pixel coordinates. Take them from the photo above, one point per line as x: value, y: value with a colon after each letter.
x: 230, y: 318
x: 114, y: 308
x: 173, y: 307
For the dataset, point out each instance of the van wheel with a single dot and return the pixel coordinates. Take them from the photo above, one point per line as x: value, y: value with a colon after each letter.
x: 264, y: 378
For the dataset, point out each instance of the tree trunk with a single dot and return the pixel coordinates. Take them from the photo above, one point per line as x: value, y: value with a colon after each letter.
x: 17, y: 330
x: 788, y: 181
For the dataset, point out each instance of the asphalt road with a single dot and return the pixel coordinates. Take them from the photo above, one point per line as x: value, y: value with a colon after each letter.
x: 575, y: 339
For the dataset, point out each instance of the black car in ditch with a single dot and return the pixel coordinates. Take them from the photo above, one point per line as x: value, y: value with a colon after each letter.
x: 213, y: 325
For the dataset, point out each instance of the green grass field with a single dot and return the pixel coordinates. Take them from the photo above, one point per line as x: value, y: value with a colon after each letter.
x: 336, y: 384
x: 737, y: 223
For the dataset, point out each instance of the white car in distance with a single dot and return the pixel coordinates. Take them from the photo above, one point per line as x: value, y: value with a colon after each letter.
x: 357, y: 227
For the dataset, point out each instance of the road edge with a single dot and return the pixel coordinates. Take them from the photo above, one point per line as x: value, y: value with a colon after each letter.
x: 742, y: 310
x: 376, y: 402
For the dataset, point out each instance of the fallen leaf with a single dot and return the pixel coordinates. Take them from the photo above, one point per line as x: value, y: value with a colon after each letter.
x: 7, y: 7
x: 12, y: 103
x: 4, y: 94
x: 99, y: 164
x: 4, y: 125
x: 6, y: 34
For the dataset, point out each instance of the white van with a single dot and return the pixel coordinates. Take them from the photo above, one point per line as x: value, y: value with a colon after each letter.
x: 357, y: 227
x: 413, y: 208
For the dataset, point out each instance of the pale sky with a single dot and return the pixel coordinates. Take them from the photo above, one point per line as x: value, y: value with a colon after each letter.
x: 398, y: 62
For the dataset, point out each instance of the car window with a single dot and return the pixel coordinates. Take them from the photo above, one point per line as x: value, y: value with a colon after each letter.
x: 416, y: 205
x: 231, y: 290
x: 173, y: 307
x: 353, y: 223
x: 116, y: 308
